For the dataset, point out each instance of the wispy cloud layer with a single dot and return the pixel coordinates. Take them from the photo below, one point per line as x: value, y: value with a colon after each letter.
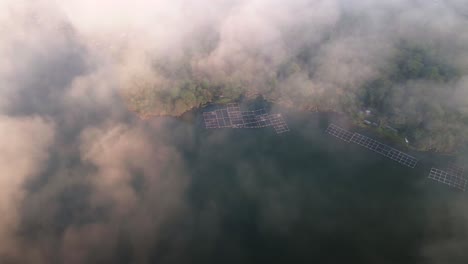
x: 65, y: 135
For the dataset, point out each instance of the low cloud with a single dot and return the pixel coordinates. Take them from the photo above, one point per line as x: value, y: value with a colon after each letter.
x: 82, y: 177
x: 25, y: 144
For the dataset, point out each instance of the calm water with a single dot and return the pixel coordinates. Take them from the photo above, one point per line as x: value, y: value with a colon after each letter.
x: 306, y: 197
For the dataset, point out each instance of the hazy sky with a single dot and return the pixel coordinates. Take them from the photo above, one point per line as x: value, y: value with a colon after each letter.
x: 63, y: 128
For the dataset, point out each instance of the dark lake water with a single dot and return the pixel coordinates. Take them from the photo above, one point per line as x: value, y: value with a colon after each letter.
x: 307, y: 197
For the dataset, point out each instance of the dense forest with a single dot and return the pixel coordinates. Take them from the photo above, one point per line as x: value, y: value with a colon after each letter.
x: 410, y: 98
x: 413, y: 96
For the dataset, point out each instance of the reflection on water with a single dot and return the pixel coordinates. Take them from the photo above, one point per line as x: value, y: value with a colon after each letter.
x: 305, y: 197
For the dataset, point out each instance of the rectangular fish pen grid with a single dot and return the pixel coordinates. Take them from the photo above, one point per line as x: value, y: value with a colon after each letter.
x: 263, y: 120
x: 255, y: 119
x: 210, y: 120
x: 223, y: 118
x: 232, y: 117
x: 444, y: 177
x: 233, y: 107
x: 217, y: 119
x: 339, y: 132
x: 278, y: 123
x: 454, y: 170
x: 235, y: 115
x: 384, y: 150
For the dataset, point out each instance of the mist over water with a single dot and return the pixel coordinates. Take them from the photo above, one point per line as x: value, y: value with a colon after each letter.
x: 305, y: 197
x: 85, y: 180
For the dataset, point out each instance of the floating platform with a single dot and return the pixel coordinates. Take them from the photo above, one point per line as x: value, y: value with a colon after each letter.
x: 339, y: 132
x: 233, y: 117
x: 384, y: 150
x: 447, y: 177
x: 373, y: 145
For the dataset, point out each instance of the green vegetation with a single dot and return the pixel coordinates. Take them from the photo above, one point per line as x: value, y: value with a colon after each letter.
x: 412, y: 94
x: 148, y: 100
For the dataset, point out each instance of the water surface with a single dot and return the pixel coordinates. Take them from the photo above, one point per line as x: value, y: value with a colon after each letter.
x: 306, y: 197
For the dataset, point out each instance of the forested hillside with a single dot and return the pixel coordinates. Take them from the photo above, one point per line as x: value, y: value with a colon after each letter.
x: 412, y: 93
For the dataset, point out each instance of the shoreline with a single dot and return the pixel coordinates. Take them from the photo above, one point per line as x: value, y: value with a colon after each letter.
x: 356, y: 124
